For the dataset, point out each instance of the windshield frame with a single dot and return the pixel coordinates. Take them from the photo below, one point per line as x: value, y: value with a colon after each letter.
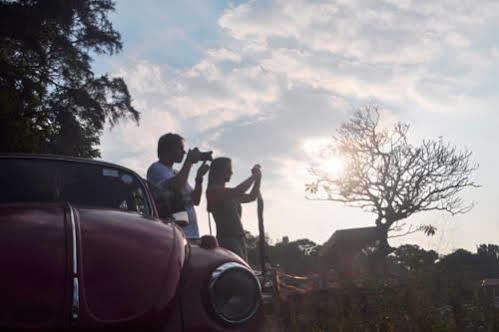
x: 150, y: 210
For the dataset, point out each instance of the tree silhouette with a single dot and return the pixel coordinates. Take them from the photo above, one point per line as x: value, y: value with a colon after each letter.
x: 414, y: 258
x: 50, y: 99
x: 488, y: 260
x: 386, y: 175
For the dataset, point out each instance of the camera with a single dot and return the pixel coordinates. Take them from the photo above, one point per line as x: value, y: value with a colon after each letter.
x: 206, y: 156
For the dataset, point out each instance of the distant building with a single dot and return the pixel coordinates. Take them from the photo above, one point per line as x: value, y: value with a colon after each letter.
x: 339, y: 250
x: 492, y: 285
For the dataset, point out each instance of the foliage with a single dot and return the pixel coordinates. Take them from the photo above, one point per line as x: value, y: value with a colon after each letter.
x: 488, y: 260
x: 387, y: 175
x: 439, y: 293
x: 50, y: 99
x: 382, y: 309
x: 414, y: 258
x: 295, y: 257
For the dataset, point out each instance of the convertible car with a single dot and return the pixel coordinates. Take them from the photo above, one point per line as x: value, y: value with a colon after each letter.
x: 82, y: 248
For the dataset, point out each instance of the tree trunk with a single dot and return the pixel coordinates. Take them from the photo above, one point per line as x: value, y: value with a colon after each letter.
x: 383, y: 248
x: 379, y: 261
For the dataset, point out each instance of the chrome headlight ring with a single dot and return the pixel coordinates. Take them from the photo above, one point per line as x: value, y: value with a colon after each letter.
x: 235, y: 293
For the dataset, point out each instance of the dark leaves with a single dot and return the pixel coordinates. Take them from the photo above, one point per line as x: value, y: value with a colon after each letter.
x: 47, y: 85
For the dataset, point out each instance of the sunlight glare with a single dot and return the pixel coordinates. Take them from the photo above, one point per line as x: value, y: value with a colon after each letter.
x: 332, y: 166
x: 320, y: 152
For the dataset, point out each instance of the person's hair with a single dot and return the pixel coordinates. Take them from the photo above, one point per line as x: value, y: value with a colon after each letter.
x: 166, y: 142
x: 217, y: 169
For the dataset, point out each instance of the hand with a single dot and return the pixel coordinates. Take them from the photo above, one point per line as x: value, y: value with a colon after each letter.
x: 257, y: 171
x: 202, y: 170
x: 193, y: 155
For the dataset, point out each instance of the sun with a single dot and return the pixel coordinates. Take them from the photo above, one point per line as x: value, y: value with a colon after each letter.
x: 332, y: 166
x: 325, y: 158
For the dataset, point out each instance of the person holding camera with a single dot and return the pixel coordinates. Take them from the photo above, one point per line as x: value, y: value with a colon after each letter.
x: 170, y: 189
x: 225, y: 203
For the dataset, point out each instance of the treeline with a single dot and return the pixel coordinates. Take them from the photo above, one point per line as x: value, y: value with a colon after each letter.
x: 294, y: 257
x: 407, y: 261
x: 417, y: 290
x: 299, y: 257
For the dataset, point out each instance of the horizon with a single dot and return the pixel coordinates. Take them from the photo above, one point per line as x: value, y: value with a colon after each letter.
x: 233, y: 77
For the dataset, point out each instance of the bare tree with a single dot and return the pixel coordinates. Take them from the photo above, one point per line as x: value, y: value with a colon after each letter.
x: 387, y: 175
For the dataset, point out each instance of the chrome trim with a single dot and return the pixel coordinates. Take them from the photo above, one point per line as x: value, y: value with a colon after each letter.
x: 73, y: 231
x: 213, y: 280
x: 75, y: 305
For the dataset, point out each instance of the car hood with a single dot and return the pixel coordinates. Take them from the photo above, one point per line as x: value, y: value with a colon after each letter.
x: 129, y: 265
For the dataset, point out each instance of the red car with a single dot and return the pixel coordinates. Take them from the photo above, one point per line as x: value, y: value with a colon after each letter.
x: 82, y: 248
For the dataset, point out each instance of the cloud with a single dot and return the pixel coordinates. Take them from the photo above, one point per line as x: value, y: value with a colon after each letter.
x: 283, y: 71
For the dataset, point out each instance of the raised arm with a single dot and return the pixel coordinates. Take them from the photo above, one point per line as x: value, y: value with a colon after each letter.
x: 245, y: 185
x: 223, y: 193
x: 198, y: 188
x: 255, y: 191
x: 238, y: 192
x: 178, y: 182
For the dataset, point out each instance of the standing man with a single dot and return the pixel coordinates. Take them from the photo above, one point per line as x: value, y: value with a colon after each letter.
x: 163, y: 178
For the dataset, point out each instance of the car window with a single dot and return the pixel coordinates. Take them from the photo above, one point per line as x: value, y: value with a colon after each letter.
x: 93, y: 185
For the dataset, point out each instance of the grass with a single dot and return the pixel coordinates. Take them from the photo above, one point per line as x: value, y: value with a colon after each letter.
x: 385, y: 309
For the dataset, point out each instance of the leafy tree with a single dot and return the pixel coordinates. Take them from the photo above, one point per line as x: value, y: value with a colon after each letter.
x: 488, y: 260
x: 457, y: 277
x: 295, y: 257
x: 414, y: 258
x: 50, y: 99
x: 388, y: 176
x: 488, y: 251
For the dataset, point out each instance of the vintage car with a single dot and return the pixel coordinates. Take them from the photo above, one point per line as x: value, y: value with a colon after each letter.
x: 82, y: 248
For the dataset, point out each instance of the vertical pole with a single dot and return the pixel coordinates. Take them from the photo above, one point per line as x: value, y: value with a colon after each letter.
x: 261, y: 234
x: 209, y: 222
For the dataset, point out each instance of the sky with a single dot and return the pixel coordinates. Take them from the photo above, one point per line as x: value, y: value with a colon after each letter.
x: 269, y: 81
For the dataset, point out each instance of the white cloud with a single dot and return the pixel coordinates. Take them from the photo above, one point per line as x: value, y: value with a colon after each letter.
x: 285, y: 70
x: 224, y: 54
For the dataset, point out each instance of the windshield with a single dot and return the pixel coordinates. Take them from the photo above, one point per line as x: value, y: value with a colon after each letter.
x: 93, y: 185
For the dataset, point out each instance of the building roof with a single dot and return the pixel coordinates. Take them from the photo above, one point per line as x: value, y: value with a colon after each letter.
x: 351, y: 239
x: 490, y: 282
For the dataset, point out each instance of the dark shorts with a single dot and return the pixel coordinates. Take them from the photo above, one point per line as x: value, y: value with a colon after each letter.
x: 236, y: 244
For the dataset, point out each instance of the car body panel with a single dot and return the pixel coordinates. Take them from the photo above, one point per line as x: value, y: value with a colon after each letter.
x: 128, y: 277
x: 34, y: 266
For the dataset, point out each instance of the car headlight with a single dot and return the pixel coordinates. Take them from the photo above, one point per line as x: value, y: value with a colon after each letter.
x: 235, y: 293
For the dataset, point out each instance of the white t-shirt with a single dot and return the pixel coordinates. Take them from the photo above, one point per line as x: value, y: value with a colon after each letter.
x: 157, y: 176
